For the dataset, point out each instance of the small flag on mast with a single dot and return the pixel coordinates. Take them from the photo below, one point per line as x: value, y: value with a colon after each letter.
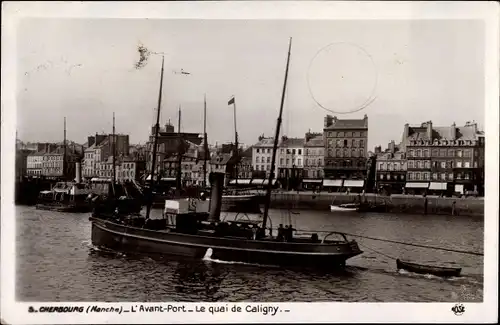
x: 231, y: 101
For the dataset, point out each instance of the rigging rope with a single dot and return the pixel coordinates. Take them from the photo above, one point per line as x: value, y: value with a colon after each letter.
x: 375, y: 251
x: 399, y: 242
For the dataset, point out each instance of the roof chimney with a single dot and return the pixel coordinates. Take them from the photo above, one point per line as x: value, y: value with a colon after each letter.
x: 328, y: 120
x: 453, y: 131
x: 429, y: 130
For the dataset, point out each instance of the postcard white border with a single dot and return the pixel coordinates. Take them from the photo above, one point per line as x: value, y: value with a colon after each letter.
x: 17, y: 312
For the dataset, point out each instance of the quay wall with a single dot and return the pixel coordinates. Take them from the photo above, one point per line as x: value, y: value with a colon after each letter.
x: 392, y: 204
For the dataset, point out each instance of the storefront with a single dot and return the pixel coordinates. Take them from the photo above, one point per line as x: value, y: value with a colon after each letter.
x: 332, y: 185
x: 311, y: 184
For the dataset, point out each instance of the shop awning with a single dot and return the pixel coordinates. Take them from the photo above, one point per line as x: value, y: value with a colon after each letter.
x: 317, y: 181
x: 353, y: 183
x: 438, y: 186
x: 165, y: 179
x: 257, y: 181
x: 417, y: 185
x: 332, y: 182
x: 459, y: 188
x: 267, y: 182
x: 240, y: 181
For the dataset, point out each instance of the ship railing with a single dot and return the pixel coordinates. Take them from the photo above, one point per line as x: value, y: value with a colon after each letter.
x: 334, y: 233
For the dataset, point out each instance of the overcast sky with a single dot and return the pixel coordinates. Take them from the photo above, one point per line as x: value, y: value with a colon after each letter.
x: 84, y: 70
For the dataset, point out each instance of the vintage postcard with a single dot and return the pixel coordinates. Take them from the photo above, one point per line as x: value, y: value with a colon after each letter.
x: 221, y: 162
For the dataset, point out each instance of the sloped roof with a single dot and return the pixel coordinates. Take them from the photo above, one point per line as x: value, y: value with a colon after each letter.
x: 247, y: 152
x: 266, y: 142
x: 292, y: 142
x: 315, y: 142
x: 444, y: 133
x: 348, y: 124
x: 221, y: 159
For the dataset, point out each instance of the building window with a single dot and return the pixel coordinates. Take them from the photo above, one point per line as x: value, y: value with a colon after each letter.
x: 346, y: 153
x: 299, y: 162
x: 390, y: 166
x: 434, y: 176
x: 282, y: 150
x: 338, y: 153
x: 443, y: 164
x: 287, y: 161
x: 418, y: 152
x: 354, y: 153
x: 427, y: 164
x: 443, y: 176
x: 459, y: 164
x: 467, y: 164
x: 268, y: 159
x: 451, y: 153
x: 426, y: 176
x: 353, y: 143
x: 467, y: 153
x: 417, y: 176
x: 281, y: 161
x: 435, y: 153
x: 381, y: 176
x: 450, y: 176
x: 410, y: 153
x: 475, y: 164
x: 466, y: 175
x: 410, y: 164
x: 396, y: 166
x: 362, y: 143
x: 459, y: 153
x: 426, y: 153
x: 300, y: 151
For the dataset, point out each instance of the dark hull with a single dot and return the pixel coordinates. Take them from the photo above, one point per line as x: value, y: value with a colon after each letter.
x: 64, y: 208
x: 264, y: 252
x: 427, y: 269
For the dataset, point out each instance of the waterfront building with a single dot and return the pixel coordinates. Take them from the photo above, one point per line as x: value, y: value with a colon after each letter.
x: 188, y: 164
x: 444, y: 159
x: 34, y: 163
x: 390, y: 169
x: 290, y: 161
x: 345, y: 143
x: 89, y: 169
x: 262, y: 153
x: 314, y: 154
x: 245, y: 166
x: 168, y: 143
x: 53, y: 163
x: 132, y: 168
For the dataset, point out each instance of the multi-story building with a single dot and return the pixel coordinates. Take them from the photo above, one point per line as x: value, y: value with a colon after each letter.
x: 34, y: 163
x: 390, y: 169
x: 345, y: 151
x: 168, y: 143
x: 53, y: 163
x: 314, y: 154
x: 290, y: 161
x: 262, y: 153
x: 444, y: 159
x: 188, y: 164
x: 245, y: 167
x: 132, y: 168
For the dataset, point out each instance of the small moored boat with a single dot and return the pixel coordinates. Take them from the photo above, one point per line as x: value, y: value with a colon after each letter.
x: 344, y: 207
x: 428, y: 269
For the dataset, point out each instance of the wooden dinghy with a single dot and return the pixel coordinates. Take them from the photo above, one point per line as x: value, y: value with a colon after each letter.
x: 428, y: 269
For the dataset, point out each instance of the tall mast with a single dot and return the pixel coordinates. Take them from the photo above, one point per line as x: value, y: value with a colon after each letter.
x: 205, y: 144
x: 275, y: 147
x: 155, y: 142
x: 180, y: 152
x: 114, y: 150
x: 236, y: 153
x: 64, y: 157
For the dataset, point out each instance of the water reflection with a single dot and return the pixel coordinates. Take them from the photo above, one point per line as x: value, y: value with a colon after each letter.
x: 200, y: 280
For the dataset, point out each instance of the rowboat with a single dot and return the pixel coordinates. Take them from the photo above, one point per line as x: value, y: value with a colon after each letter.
x: 428, y: 269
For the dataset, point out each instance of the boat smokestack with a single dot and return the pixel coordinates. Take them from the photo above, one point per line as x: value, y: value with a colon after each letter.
x: 217, y: 182
x: 78, y: 172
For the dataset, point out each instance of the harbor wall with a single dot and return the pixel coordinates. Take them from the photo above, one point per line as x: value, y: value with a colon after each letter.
x: 392, y: 204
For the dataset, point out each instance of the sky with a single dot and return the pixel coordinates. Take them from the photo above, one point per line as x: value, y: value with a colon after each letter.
x: 83, y: 69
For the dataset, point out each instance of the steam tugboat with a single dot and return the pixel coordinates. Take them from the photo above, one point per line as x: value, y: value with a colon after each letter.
x: 191, y: 227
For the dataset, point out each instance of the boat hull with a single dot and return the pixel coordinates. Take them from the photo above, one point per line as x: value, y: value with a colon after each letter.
x: 125, y: 238
x: 336, y: 208
x: 427, y: 269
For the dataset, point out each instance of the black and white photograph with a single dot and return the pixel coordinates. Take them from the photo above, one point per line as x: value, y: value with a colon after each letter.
x: 216, y: 166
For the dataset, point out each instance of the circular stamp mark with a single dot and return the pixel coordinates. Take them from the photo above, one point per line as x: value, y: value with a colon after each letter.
x: 342, y: 78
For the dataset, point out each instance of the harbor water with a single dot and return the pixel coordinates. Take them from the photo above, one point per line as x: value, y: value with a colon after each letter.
x: 56, y: 262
